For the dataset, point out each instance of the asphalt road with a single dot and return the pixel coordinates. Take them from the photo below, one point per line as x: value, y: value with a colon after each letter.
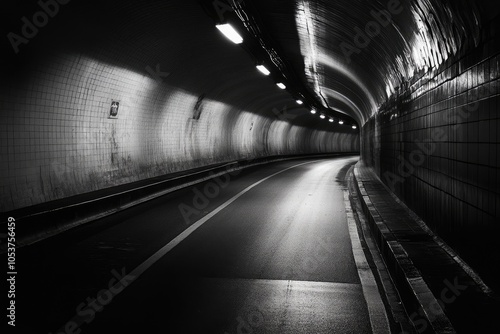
x: 264, y: 251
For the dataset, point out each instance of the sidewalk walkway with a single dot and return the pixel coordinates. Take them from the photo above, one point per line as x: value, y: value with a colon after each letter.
x: 439, y: 291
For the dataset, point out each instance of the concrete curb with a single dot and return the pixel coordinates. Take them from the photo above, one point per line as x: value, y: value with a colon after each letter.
x: 40, y: 225
x: 415, y: 294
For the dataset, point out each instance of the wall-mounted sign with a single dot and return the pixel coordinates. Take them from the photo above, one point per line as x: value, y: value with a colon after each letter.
x: 113, y: 111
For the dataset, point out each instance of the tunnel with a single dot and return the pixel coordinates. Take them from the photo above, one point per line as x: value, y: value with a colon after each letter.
x: 250, y: 166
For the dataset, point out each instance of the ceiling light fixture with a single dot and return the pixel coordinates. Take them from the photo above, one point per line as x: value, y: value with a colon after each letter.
x: 313, y: 111
x: 299, y: 101
x: 263, y: 69
x: 341, y: 122
x: 331, y: 120
x: 322, y: 116
x: 280, y: 85
x: 230, y: 33
x: 354, y: 126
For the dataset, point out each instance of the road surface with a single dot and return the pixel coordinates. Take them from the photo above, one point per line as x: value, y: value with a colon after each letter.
x: 265, y: 250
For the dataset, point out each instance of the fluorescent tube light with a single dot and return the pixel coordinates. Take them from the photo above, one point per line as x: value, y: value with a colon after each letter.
x: 263, y: 69
x: 230, y: 33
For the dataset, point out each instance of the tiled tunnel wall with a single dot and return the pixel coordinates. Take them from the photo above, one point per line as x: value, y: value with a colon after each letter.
x: 436, y: 145
x: 187, y: 98
x: 57, y: 139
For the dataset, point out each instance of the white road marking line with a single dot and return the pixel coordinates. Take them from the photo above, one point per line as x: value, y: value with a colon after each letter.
x: 376, y: 309
x: 139, y: 270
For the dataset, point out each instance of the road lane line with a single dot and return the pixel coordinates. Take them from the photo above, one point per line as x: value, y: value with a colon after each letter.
x: 376, y: 310
x: 139, y: 270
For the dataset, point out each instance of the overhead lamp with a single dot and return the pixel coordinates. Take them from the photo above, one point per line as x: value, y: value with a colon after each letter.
x: 330, y: 120
x: 280, y: 85
x: 341, y: 122
x: 263, y: 69
x: 322, y: 116
x: 230, y: 33
x: 354, y: 126
x: 313, y: 111
x: 299, y: 101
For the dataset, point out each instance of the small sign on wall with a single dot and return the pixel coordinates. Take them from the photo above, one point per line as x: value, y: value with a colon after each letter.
x: 113, y: 110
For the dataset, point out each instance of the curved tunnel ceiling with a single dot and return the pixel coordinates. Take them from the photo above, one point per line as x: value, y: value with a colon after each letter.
x: 354, y: 54
x: 343, y: 57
